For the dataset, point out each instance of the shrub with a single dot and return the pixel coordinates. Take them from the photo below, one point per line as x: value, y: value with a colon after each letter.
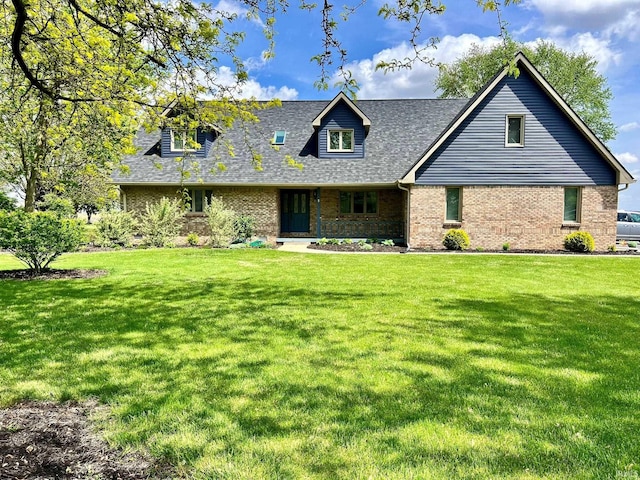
x: 579, y: 242
x: 334, y: 241
x: 612, y: 248
x: 221, y: 223
x: 632, y: 244
x: 245, y: 227
x: 361, y: 243
x: 160, y: 224
x: 456, y: 239
x: 365, y: 246
x: 63, y: 207
x: 38, y: 238
x: 388, y: 243
x: 7, y: 203
x: 347, y: 241
x: 193, y: 239
x: 323, y: 241
x: 115, y: 228
x: 506, y: 246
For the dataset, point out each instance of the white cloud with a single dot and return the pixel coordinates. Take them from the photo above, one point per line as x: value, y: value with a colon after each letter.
x: 229, y: 7
x: 628, y: 127
x: 627, y: 157
x: 417, y: 82
x: 253, y: 89
x: 610, y: 16
x: 599, y: 48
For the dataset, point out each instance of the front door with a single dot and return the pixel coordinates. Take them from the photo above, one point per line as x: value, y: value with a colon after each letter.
x: 294, y: 208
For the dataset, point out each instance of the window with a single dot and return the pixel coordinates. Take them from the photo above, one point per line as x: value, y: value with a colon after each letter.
x: 199, y: 199
x: 454, y: 205
x: 359, y: 203
x: 515, y: 131
x: 184, y: 140
x: 340, y: 141
x: 279, y: 137
x: 571, y: 205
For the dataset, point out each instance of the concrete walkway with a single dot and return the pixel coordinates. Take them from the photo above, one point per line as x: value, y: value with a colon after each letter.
x: 300, y: 247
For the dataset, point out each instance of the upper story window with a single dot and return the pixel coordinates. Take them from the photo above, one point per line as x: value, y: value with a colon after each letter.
x: 184, y: 140
x: 340, y: 141
x: 515, y: 131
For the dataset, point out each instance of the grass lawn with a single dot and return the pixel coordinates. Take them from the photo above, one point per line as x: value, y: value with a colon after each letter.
x: 264, y: 364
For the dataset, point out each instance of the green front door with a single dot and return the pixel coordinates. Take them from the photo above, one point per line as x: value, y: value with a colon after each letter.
x: 294, y: 208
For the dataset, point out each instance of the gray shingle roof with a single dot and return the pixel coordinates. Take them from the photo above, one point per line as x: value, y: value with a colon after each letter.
x: 401, y: 131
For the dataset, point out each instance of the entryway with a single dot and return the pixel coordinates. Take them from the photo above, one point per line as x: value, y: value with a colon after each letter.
x: 294, y: 211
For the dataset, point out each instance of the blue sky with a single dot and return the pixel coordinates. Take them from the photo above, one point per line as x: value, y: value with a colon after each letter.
x: 608, y: 30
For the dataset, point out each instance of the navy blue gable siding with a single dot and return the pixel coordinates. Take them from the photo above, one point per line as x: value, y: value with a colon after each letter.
x: 205, y: 139
x: 341, y: 117
x: 554, y: 152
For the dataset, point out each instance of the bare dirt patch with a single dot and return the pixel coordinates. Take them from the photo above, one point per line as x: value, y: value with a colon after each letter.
x: 50, y: 441
x: 51, y: 274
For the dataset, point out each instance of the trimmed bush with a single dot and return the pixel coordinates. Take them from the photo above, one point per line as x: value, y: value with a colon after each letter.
x: 221, y: 223
x: 160, y: 224
x: 115, y: 228
x: 456, y: 239
x: 38, y: 238
x: 579, y: 242
x: 245, y: 227
x: 193, y: 239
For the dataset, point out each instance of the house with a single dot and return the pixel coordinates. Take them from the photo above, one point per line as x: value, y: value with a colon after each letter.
x: 514, y: 164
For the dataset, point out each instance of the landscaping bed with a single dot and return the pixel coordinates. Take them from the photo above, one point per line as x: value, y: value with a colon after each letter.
x: 45, y: 440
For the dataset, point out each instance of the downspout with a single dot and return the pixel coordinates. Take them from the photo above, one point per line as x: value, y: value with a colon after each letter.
x: 626, y: 185
x: 123, y: 199
x: 407, y: 229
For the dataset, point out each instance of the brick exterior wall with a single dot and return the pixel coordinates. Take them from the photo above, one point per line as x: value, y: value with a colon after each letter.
x: 260, y: 203
x: 524, y: 217
x: 389, y: 206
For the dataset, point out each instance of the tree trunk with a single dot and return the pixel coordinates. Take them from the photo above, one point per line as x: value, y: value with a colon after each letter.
x: 30, y: 192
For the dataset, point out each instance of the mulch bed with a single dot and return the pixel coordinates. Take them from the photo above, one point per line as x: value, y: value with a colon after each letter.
x: 51, y: 274
x: 354, y: 247
x: 50, y: 441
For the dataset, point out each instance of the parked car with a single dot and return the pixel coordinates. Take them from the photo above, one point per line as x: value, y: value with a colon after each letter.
x: 628, y: 225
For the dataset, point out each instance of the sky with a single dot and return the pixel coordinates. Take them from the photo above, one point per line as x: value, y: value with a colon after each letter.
x: 608, y: 30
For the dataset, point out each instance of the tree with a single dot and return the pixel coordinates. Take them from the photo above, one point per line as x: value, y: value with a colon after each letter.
x: 77, y: 76
x: 573, y: 75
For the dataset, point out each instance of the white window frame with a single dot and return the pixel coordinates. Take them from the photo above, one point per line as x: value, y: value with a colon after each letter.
x: 341, y: 131
x: 577, y: 220
x: 183, y: 134
x: 506, y: 131
x: 205, y: 197
x: 279, y: 133
x: 458, y: 218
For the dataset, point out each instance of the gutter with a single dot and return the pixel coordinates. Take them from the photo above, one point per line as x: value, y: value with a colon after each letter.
x: 408, y: 214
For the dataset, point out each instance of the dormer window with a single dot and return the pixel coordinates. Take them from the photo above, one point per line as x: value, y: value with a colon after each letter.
x: 340, y: 141
x: 515, y: 131
x: 279, y: 137
x: 184, y: 140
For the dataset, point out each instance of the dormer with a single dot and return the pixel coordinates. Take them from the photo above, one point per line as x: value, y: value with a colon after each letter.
x: 341, y: 129
x: 181, y: 142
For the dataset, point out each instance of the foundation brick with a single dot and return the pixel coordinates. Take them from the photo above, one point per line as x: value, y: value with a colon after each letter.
x: 524, y: 217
